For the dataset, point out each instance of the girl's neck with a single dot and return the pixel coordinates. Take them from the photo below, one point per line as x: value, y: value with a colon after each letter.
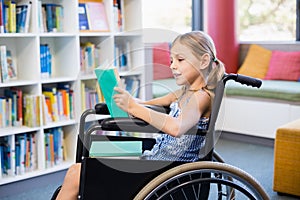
x: 193, y: 88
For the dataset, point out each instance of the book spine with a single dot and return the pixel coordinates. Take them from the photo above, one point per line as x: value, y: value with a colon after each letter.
x: 3, y: 60
x: 2, y: 16
x: 27, y: 17
x: 11, y: 5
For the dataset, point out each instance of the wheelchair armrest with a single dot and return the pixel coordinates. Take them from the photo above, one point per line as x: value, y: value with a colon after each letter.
x: 127, y: 124
x: 137, y: 125
x: 101, y: 108
x: 132, y: 124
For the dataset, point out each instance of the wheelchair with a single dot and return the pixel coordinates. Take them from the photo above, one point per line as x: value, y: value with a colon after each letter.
x: 127, y: 178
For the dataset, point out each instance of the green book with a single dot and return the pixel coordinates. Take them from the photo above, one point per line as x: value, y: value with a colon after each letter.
x: 107, y: 80
x: 115, y: 148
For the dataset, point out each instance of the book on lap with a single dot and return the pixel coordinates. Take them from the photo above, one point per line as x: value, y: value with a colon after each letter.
x: 116, y: 148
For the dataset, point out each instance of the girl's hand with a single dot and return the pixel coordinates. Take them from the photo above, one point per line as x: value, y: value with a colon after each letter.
x: 123, y: 99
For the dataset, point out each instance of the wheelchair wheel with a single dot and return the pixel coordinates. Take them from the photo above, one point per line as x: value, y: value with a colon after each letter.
x: 190, y: 181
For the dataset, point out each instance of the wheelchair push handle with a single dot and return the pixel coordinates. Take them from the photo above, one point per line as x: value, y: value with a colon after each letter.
x: 247, y: 80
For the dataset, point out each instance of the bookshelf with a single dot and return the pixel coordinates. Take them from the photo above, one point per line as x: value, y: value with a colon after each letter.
x: 120, y: 46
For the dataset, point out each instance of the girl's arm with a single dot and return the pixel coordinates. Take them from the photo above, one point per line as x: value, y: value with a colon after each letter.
x: 165, y: 100
x: 173, y: 126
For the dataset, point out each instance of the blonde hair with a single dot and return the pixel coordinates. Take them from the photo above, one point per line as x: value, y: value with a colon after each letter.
x: 201, y: 43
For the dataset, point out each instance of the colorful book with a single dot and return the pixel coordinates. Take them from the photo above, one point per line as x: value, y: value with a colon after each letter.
x: 26, y: 15
x: 11, y: 16
x: 3, y: 63
x: 82, y: 16
x: 2, y: 30
x: 107, y: 80
x: 97, y: 18
x: 12, y: 71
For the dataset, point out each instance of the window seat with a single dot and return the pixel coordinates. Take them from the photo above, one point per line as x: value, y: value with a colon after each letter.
x: 270, y: 89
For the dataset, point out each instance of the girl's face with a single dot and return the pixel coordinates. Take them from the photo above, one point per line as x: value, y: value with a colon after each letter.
x: 185, y: 66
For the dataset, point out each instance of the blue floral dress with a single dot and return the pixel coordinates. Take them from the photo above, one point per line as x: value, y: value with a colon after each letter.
x: 184, y: 148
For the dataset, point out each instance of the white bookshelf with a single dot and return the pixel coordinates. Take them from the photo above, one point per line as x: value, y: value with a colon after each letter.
x: 65, y: 49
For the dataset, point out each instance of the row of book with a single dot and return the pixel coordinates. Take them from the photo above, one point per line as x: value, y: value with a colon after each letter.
x: 15, y: 16
x: 18, y: 154
x: 45, y: 61
x: 20, y: 109
x: 90, y: 95
x: 50, y: 17
x: 8, y: 69
x: 122, y: 56
x: 92, y: 16
x: 54, y: 147
x: 11, y: 108
x: 132, y: 84
x: 58, y: 103
x: 89, y: 57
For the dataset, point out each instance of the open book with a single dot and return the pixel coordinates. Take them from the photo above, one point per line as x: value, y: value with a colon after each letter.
x: 107, y: 80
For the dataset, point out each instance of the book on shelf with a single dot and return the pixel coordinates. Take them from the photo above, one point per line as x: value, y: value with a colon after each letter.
x: 50, y: 95
x: 89, y: 57
x: 54, y: 147
x: 57, y: 103
x: 122, y: 56
x: 7, y: 144
x: 16, y: 110
x: 118, y: 14
x: 66, y: 101
x: 132, y: 85
x: 116, y: 148
x: 11, y: 67
x: 10, y: 13
x: 2, y: 26
x: 31, y: 110
x: 13, y: 112
x: 5, y: 111
x: 52, y: 17
x: 95, y: 15
x: 18, y: 154
x: 3, y: 63
x: 8, y: 68
x: 90, y: 95
x: 23, y: 15
x: 107, y: 80
x: 45, y: 61
x: 82, y: 16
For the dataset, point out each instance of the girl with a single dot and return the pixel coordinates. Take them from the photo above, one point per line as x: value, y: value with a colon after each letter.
x: 196, y: 68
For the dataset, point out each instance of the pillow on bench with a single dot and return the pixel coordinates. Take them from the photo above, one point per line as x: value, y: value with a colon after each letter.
x: 265, y: 64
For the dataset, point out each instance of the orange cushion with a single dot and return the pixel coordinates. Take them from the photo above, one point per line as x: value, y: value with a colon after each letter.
x: 256, y: 63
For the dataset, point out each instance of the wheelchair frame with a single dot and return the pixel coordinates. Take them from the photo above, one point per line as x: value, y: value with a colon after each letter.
x: 169, y: 180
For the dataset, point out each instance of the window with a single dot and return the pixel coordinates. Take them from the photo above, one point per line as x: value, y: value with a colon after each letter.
x: 174, y: 15
x: 267, y: 20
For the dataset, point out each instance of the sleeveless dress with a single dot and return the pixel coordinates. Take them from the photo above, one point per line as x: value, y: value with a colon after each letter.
x: 184, y: 148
